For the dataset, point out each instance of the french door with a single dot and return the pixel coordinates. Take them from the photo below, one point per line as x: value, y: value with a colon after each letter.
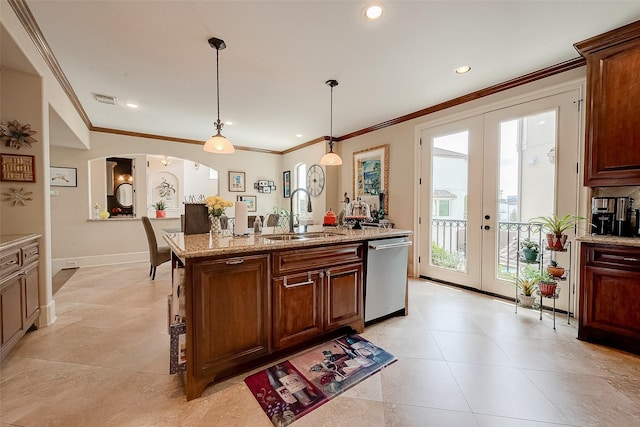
x: 483, y: 175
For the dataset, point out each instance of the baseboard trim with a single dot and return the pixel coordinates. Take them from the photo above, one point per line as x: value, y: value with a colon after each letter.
x: 97, y: 260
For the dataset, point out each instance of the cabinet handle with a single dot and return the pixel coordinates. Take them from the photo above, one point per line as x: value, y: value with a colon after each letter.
x: 295, y: 285
x: 631, y: 259
x: 234, y: 261
x: 13, y: 261
x: 34, y: 252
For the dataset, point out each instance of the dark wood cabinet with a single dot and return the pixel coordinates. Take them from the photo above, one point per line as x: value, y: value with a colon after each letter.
x: 612, y: 157
x: 227, y: 317
x: 297, y: 308
x: 343, y: 297
x: 19, y: 298
x: 610, y: 296
x: 327, y: 282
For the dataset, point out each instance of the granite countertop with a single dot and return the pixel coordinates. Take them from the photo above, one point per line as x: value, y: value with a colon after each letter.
x: 610, y: 240
x: 201, y: 245
x: 8, y: 240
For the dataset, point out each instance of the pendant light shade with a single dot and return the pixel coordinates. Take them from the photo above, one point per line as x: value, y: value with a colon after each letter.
x: 218, y: 143
x: 331, y: 158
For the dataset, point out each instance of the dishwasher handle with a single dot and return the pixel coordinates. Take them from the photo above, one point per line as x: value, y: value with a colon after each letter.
x: 382, y: 246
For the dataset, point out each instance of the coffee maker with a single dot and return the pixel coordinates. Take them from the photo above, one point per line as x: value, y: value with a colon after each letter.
x: 622, y: 225
x: 603, y: 213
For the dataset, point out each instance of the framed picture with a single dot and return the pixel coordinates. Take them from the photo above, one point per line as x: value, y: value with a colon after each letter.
x: 18, y: 168
x: 286, y: 183
x: 251, y: 202
x: 63, y: 177
x: 371, y: 175
x: 272, y: 184
x: 266, y: 189
x: 236, y: 181
x: 262, y: 183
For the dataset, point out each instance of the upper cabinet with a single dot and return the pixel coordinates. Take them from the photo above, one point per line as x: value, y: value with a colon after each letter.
x: 612, y: 151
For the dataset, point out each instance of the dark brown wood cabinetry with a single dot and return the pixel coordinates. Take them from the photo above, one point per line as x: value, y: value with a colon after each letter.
x: 316, y: 290
x: 610, y: 296
x: 612, y: 156
x: 19, y: 301
x: 247, y: 310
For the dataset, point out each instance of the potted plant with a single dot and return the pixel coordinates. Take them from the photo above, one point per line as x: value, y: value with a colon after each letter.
x: 554, y: 269
x: 555, y: 227
x: 547, y: 284
x: 160, y: 207
x: 526, y: 282
x: 530, y: 249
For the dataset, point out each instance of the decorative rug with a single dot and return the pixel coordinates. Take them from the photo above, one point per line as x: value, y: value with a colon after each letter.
x: 293, y: 388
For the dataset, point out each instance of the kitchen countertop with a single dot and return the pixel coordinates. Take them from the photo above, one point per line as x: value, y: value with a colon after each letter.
x: 201, y: 245
x: 9, y: 240
x: 610, y: 240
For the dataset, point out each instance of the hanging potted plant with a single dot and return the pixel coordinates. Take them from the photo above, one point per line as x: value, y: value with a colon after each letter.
x: 547, y: 284
x: 160, y: 209
x: 554, y: 269
x: 555, y: 228
x: 530, y: 250
x: 526, y: 282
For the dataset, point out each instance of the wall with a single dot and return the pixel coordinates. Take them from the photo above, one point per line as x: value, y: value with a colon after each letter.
x: 83, y: 242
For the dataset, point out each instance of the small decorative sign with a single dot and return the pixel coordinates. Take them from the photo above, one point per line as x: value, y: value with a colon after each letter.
x: 18, y: 168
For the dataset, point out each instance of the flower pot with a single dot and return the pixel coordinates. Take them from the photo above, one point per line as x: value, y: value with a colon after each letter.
x: 161, y: 214
x: 530, y: 255
x: 555, y: 271
x: 547, y: 289
x: 556, y: 242
x: 526, y: 300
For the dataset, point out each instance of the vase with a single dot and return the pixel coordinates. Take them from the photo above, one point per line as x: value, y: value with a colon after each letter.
x: 216, y: 226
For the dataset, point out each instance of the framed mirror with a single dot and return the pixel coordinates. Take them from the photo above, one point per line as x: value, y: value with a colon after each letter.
x: 124, y: 195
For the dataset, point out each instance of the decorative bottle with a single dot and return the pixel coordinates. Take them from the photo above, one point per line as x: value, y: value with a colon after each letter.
x: 296, y: 385
x: 282, y: 391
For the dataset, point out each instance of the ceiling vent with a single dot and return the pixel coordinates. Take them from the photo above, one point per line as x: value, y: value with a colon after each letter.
x: 106, y: 99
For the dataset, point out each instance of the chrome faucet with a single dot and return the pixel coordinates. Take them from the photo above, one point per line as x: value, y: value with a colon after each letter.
x: 291, y: 206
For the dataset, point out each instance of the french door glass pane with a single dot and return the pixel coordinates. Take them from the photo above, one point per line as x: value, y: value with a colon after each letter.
x: 449, y: 172
x: 526, y: 180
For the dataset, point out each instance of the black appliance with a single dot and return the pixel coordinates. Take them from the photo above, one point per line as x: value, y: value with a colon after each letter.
x: 622, y: 225
x: 603, y: 212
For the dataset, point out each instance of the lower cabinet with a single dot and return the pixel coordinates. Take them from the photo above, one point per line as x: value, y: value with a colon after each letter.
x: 242, y: 311
x: 610, y: 296
x: 19, y: 300
x: 229, y: 307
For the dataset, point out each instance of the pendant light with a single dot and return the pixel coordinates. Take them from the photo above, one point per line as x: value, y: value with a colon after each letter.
x: 331, y: 158
x: 218, y: 143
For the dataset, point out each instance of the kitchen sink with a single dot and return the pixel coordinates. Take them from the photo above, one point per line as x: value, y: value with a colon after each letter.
x: 300, y: 236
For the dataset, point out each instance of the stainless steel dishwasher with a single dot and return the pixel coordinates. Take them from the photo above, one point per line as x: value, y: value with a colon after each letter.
x: 386, y: 281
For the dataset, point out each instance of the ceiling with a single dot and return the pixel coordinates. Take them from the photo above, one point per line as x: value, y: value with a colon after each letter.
x: 280, y: 53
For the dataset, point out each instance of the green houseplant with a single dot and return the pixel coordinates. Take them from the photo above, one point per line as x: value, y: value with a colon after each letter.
x: 160, y: 206
x: 530, y: 249
x: 547, y: 284
x: 555, y: 227
x: 527, y: 281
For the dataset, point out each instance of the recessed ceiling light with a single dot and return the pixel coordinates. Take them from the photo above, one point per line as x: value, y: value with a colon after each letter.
x: 463, y: 69
x: 298, y: 135
x: 373, y: 12
x: 131, y: 105
x: 228, y: 123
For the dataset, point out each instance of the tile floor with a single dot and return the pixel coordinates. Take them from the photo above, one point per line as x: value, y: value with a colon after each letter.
x: 464, y: 360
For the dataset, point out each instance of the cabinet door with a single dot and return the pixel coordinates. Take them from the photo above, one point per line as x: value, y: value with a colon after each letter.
x: 343, y: 297
x: 10, y: 304
x: 31, y: 301
x: 297, y: 308
x: 613, y: 95
x: 230, y: 312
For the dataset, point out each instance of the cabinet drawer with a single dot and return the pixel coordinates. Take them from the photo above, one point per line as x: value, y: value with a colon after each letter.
x: 30, y: 253
x: 618, y: 257
x: 9, y: 262
x: 310, y: 258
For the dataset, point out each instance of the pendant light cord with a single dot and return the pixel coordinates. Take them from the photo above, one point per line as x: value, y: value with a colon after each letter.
x: 331, y: 123
x: 218, y: 85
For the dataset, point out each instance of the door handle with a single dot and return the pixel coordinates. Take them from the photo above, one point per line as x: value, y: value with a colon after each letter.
x: 487, y: 227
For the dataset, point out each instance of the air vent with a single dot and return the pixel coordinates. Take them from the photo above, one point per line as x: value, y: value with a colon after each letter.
x: 106, y: 99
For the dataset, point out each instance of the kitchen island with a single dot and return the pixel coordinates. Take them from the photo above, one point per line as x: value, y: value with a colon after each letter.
x: 246, y: 301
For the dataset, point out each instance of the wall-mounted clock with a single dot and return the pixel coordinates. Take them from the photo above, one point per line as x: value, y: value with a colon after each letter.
x: 315, y: 180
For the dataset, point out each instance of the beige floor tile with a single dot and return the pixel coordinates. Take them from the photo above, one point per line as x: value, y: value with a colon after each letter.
x: 104, y: 363
x: 504, y: 391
